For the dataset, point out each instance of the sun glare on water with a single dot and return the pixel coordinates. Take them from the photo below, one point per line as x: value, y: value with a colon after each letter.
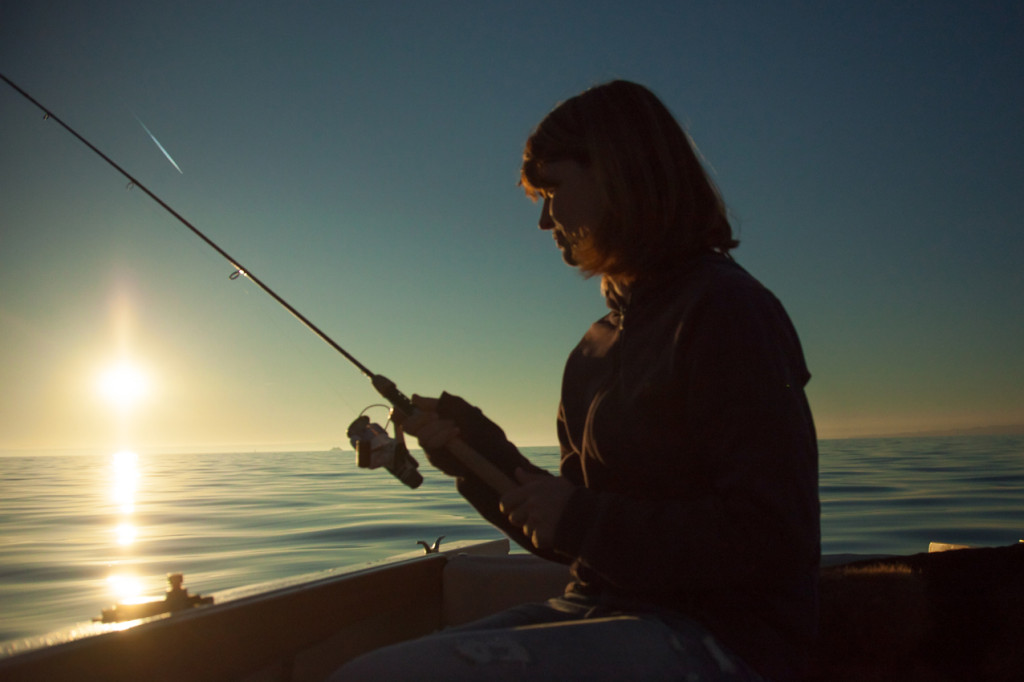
x: 125, y: 588
x: 125, y: 483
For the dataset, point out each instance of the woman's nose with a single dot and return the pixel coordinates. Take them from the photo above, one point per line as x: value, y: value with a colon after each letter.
x: 546, y: 222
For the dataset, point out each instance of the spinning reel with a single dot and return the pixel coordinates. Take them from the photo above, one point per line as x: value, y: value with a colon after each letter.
x: 375, y: 448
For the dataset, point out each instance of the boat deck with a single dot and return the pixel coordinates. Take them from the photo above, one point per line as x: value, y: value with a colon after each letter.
x: 955, y: 615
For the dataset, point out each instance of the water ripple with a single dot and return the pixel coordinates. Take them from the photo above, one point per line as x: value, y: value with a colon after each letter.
x: 68, y: 537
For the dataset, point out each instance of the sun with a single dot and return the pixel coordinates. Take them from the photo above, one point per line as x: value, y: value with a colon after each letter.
x: 123, y: 384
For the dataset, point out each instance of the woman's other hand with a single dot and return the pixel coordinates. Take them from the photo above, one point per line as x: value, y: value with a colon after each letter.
x: 536, y: 505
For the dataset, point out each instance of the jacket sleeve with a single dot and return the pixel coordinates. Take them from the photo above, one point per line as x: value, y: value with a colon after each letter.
x: 736, y: 404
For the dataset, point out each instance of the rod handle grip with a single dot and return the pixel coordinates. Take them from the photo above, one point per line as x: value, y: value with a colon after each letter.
x: 494, y: 477
x: 467, y: 456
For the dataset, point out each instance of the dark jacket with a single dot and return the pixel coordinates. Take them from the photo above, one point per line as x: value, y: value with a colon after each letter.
x: 685, y: 424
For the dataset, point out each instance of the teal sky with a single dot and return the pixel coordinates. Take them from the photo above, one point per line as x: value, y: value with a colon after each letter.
x: 362, y: 158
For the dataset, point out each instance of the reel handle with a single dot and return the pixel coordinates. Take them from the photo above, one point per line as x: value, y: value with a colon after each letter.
x: 459, y: 449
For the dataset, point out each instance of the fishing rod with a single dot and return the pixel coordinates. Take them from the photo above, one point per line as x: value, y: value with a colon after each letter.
x: 369, y: 439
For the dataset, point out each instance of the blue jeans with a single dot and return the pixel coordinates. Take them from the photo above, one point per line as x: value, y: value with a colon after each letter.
x: 567, y: 638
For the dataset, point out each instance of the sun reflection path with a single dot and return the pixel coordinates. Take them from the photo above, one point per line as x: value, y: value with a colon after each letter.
x: 124, y: 586
x: 125, y: 534
x: 126, y: 480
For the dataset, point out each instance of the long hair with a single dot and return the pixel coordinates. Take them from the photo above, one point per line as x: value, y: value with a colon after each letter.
x: 660, y: 206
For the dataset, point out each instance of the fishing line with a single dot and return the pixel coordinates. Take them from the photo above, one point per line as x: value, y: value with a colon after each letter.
x: 481, y: 466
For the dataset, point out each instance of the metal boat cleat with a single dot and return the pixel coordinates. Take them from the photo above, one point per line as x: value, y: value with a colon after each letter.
x: 431, y: 549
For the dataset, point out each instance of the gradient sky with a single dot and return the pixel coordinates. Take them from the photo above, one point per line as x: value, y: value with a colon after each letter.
x: 362, y: 158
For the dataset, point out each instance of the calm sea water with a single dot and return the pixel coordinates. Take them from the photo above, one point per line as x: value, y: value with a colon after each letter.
x: 78, y: 533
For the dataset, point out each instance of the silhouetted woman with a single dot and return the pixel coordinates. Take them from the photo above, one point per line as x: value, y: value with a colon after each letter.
x: 687, y: 502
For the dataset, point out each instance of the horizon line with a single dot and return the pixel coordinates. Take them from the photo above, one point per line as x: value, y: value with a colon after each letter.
x: 994, y: 430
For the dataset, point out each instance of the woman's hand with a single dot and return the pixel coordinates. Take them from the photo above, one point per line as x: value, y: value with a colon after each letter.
x: 536, y: 505
x: 439, y: 422
x: 434, y: 434
x: 432, y: 431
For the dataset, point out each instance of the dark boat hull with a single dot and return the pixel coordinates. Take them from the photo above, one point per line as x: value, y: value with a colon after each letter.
x: 956, y: 615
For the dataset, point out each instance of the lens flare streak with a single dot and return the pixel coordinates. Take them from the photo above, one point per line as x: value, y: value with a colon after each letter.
x: 157, y: 142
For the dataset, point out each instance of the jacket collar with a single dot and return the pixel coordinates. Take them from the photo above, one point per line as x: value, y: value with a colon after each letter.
x: 619, y: 296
